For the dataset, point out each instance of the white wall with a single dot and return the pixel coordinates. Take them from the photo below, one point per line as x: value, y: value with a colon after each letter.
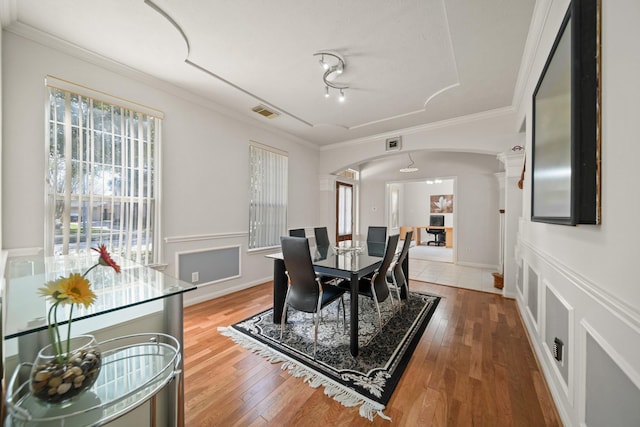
x: 416, y: 203
x: 204, y: 168
x: 476, y: 227
x: 591, y: 269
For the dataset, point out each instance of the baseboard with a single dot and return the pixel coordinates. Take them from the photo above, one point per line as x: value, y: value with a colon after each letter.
x: 478, y: 265
x: 212, y: 294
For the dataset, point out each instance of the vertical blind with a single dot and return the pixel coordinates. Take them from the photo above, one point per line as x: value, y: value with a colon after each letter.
x: 102, y: 183
x: 268, y: 179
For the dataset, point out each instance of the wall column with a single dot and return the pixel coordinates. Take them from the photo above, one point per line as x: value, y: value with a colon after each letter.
x: 513, y: 163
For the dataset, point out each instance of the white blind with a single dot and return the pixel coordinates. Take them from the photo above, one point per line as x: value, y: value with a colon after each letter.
x: 103, y: 177
x: 268, y: 180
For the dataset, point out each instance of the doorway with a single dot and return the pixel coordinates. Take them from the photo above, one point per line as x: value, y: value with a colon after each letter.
x: 344, y: 211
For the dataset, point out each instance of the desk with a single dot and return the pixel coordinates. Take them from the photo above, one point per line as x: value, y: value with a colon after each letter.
x: 448, y: 231
x: 350, y: 265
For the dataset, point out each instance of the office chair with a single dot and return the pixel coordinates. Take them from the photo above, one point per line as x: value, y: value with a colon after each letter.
x: 438, y: 234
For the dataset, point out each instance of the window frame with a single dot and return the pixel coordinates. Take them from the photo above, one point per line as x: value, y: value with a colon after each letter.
x: 151, y: 173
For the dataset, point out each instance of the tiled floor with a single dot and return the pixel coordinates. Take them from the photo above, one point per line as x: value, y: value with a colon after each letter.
x: 447, y: 273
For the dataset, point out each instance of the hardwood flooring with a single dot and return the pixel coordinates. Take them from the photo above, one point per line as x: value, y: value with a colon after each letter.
x: 474, y: 366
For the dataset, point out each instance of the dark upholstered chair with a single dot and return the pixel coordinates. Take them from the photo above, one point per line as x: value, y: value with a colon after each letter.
x: 305, y: 291
x: 377, y: 234
x: 395, y: 275
x: 438, y: 234
x: 297, y: 232
x: 377, y: 287
x: 322, y: 237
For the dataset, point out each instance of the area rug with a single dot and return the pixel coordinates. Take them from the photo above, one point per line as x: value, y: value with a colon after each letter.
x: 368, y: 380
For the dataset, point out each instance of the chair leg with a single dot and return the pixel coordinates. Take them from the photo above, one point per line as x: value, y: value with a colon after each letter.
x: 395, y: 284
x: 375, y: 299
x: 284, y: 315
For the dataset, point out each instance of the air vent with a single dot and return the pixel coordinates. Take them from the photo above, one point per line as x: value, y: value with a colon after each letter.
x: 265, y: 111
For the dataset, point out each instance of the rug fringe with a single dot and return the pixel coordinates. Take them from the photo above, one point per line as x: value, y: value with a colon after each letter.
x: 349, y: 399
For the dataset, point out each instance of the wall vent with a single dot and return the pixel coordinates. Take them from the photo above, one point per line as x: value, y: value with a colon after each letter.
x: 265, y: 111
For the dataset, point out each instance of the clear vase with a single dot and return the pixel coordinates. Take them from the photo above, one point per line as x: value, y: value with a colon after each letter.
x: 54, y: 381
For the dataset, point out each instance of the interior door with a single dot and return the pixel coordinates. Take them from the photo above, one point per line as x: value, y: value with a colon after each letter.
x: 344, y: 211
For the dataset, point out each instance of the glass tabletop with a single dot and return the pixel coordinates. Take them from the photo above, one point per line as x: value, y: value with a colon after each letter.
x: 26, y: 310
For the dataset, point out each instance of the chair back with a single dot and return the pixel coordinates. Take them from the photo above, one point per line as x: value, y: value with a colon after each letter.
x: 379, y: 278
x: 304, y: 290
x: 297, y: 232
x: 397, y: 268
x: 377, y: 234
x: 322, y: 237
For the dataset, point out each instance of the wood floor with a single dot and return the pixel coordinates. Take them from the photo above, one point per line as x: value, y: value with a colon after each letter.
x: 474, y: 366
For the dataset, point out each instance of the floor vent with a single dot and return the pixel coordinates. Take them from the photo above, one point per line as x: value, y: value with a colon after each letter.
x: 265, y: 111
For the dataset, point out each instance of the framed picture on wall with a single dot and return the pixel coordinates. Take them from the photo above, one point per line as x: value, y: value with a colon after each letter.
x: 442, y: 203
x: 565, y: 185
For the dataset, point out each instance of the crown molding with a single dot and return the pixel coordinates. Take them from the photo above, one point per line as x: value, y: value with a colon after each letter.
x: 8, y: 12
x: 456, y: 121
x: 541, y: 12
x: 53, y: 42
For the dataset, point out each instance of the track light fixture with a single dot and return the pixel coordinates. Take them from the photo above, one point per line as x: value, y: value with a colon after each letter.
x: 332, y: 63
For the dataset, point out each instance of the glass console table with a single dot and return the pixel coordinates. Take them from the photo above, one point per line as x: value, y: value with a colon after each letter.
x: 134, y: 369
x: 121, y: 299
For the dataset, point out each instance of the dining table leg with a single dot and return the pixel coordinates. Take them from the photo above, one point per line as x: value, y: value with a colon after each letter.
x: 280, y: 284
x: 354, y: 315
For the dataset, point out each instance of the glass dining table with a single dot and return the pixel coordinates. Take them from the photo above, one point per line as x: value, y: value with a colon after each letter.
x: 350, y: 260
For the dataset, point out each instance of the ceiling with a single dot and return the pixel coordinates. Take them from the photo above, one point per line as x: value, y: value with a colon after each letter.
x: 408, y: 62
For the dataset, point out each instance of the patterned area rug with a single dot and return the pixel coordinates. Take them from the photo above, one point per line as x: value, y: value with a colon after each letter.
x: 366, y: 381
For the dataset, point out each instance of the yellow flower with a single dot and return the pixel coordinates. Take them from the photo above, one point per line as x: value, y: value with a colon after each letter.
x: 75, y: 289
x: 53, y: 289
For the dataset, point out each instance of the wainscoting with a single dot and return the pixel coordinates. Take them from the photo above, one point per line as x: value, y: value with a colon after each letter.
x: 587, y: 341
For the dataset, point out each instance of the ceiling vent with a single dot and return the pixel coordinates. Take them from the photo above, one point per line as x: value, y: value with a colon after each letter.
x: 265, y: 111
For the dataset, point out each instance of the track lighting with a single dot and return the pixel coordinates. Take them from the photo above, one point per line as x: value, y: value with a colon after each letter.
x: 334, y: 63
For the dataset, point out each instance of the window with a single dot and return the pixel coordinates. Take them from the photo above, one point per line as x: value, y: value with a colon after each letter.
x: 268, y: 169
x: 102, y: 174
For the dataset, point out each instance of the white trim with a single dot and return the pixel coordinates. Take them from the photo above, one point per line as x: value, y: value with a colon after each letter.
x: 541, y: 11
x: 457, y: 121
x: 535, y: 319
x: 211, y: 249
x: 78, y: 89
x: 216, y: 293
x: 624, y: 366
x: 477, y: 264
x: 569, y: 356
x: 619, y: 308
x: 199, y: 237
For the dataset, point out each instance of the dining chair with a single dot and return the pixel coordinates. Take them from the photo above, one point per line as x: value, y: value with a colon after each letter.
x: 297, y: 232
x: 395, y: 275
x: 322, y: 237
x: 305, y: 291
x: 377, y: 234
x: 377, y: 287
